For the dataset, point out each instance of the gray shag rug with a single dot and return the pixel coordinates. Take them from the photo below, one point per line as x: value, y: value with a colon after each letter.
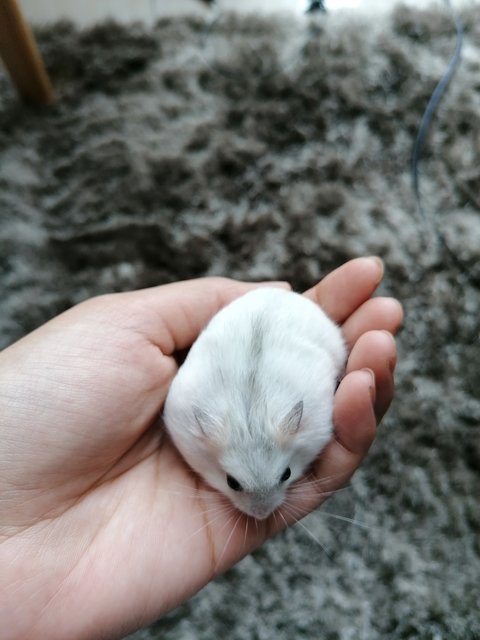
x: 258, y: 148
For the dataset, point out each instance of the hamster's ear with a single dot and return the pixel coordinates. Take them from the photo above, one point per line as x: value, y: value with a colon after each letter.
x: 210, y: 427
x: 291, y: 422
x: 201, y: 418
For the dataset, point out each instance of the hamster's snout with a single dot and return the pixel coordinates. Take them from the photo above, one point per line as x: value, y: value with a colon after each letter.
x: 259, y: 505
x: 261, y: 514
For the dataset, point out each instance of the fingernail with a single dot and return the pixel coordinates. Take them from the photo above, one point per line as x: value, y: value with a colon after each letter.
x: 391, y: 362
x: 371, y: 380
x: 389, y: 334
x: 380, y: 265
x: 398, y: 310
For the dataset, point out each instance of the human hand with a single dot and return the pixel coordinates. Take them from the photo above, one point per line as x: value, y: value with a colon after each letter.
x: 103, y: 527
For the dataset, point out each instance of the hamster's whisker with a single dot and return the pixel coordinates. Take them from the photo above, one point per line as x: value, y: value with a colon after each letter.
x: 293, y: 510
x: 240, y: 516
x: 322, y: 480
x: 281, y: 516
x: 194, y: 495
x: 318, y: 482
x: 224, y: 526
x: 209, y: 523
x: 357, y: 523
x: 246, y: 532
x: 207, y: 491
x: 308, y: 492
x: 217, y: 510
x: 274, y: 514
x: 307, y: 530
x: 233, y: 513
x: 318, y: 488
x: 214, y: 504
x: 329, y: 514
x: 311, y: 479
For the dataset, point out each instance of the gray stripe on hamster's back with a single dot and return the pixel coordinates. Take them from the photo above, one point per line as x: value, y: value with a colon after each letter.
x: 252, y: 383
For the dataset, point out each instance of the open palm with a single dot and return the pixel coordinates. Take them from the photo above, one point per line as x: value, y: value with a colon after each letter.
x: 103, y: 527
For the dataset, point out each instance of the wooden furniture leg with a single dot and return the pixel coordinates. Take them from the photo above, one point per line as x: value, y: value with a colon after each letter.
x: 21, y: 56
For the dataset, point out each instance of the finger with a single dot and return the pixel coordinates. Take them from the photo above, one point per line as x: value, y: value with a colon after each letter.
x: 355, y: 427
x: 376, y: 350
x: 345, y: 289
x: 376, y: 313
x: 173, y: 315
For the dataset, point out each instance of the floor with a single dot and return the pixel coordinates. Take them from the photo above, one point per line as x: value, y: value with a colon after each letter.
x: 147, y: 11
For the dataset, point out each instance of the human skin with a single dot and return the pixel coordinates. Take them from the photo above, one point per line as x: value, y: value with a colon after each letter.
x: 103, y: 527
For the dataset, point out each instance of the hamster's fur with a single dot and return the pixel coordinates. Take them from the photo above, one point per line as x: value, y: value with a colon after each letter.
x: 251, y: 406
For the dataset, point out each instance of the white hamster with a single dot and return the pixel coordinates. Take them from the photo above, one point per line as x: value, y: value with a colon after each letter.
x: 251, y: 406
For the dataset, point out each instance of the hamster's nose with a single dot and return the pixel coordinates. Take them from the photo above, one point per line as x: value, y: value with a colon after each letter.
x: 260, y: 513
x: 261, y: 516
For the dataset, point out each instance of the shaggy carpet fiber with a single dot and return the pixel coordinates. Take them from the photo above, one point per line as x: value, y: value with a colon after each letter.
x: 260, y: 148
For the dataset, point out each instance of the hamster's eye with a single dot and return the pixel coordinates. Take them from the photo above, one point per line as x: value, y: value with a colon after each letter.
x: 233, y: 484
x: 286, y: 474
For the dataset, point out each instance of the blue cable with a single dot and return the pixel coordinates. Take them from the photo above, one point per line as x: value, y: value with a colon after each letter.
x: 432, y: 106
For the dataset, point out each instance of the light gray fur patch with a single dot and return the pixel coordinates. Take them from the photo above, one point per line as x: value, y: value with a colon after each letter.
x: 254, y: 391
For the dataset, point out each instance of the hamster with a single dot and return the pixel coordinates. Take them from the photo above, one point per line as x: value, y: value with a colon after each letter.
x: 251, y: 407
